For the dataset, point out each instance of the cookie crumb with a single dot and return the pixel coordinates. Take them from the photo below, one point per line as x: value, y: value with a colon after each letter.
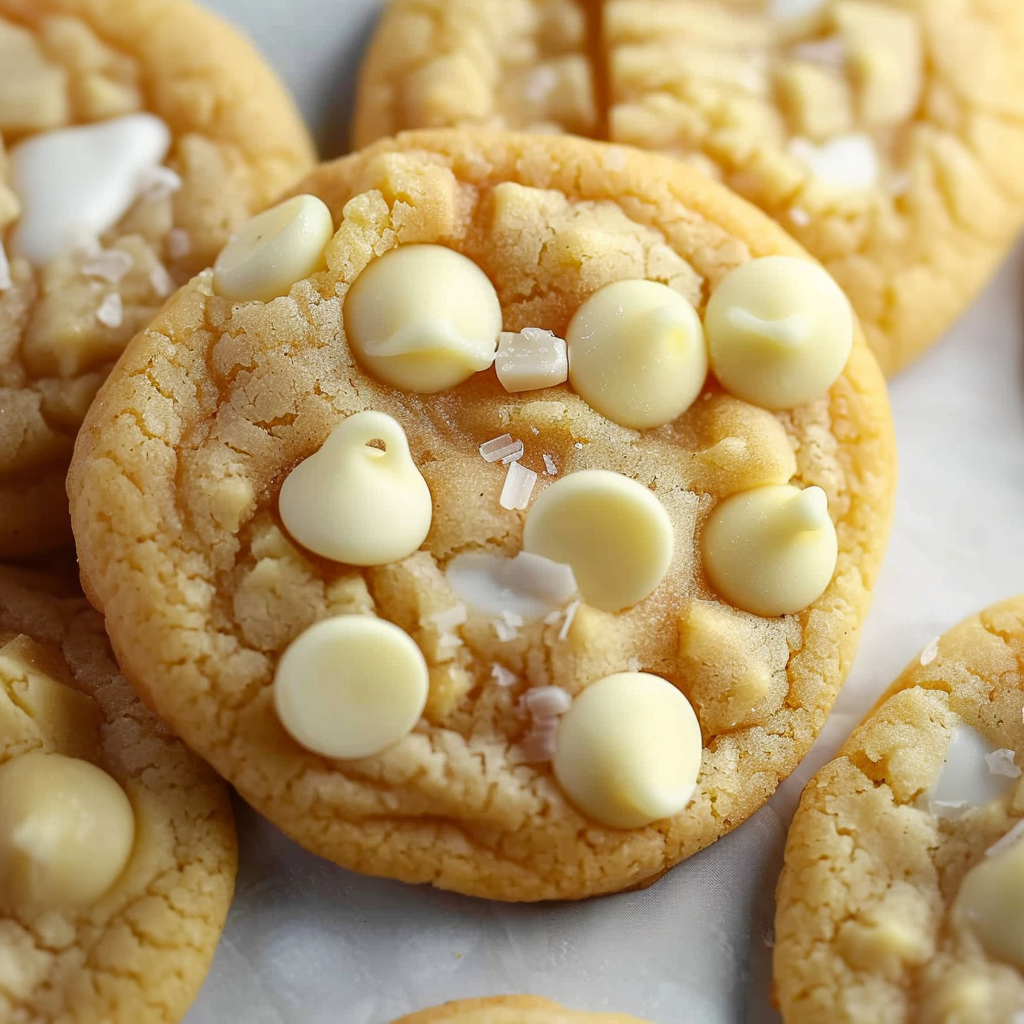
x: 1001, y: 762
x: 550, y: 469
x: 931, y: 652
x: 518, y: 488
x: 540, y: 84
x: 613, y: 159
x: 111, y: 311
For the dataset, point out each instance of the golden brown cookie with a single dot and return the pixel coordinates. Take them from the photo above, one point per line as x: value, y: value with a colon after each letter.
x: 887, y: 136
x: 196, y: 133
x: 110, y: 908
x: 205, y: 461
x: 510, y: 1010
x: 902, y: 892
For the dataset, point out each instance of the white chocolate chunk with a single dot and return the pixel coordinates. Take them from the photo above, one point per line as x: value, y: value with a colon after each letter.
x: 991, y: 902
x: 277, y: 248
x: 518, y: 487
x: 779, y: 332
x: 358, y: 504
x: 965, y: 777
x: 628, y: 751
x: 849, y: 162
x: 351, y: 686
x: 79, y: 182
x: 637, y: 353
x: 771, y: 550
x: 614, y: 533
x: 528, y: 585
x: 66, y: 833
x: 423, y: 318
x: 531, y: 360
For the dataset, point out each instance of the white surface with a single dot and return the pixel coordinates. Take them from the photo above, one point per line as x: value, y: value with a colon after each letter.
x: 308, y: 943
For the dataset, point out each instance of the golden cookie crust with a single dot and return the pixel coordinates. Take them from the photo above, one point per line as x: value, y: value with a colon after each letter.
x: 141, y: 953
x: 863, y: 929
x: 174, y: 486
x: 238, y: 140
x: 937, y: 86
x: 511, y: 1010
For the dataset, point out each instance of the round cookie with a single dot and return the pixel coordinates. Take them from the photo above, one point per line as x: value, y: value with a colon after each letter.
x: 887, y: 136
x: 511, y: 1010
x: 96, y: 929
x: 135, y: 138
x: 902, y: 896
x: 189, y: 471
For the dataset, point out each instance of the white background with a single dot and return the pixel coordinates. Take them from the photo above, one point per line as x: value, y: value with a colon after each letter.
x: 308, y: 943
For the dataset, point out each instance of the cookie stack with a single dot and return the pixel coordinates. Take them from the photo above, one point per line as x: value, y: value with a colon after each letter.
x: 497, y: 507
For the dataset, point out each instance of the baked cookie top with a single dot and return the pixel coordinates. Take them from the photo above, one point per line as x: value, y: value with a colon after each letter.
x: 117, y: 845
x: 511, y: 1010
x: 902, y: 894
x: 135, y: 138
x: 887, y: 136
x: 236, y: 437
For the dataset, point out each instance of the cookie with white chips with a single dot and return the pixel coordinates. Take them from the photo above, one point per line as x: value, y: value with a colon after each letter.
x: 135, y: 138
x: 117, y: 844
x: 511, y: 1010
x: 507, y: 529
x: 887, y: 136
x: 902, y: 895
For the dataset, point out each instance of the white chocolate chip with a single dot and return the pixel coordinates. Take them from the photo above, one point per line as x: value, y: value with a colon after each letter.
x: 528, y: 585
x: 5, y: 269
x: 771, y: 550
x: 531, y: 360
x: 518, y: 487
x: 357, y: 504
x: 628, y: 751
x: 81, y: 181
x: 965, y: 776
x: 66, y: 833
x: 277, y: 248
x: 111, y: 310
x: 779, y: 332
x: 614, y: 533
x: 423, y: 318
x: 637, y: 353
x: 849, y: 162
x: 351, y: 686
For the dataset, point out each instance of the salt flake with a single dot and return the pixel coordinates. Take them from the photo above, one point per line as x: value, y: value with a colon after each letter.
x: 500, y: 448
x: 931, y: 652
x: 570, y: 615
x: 449, y: 618
x: 546, y: 701
x: 159, y: 182
x: 502, y: 676
x: 111, y: 311
x: 518, y: 488
x: 950, y: 809
x: 1001, y: 762
x: 5, y: 270
x: 107, y: 264
x: 179, y: 244
x: 549, y: 466
x: 161, y: 281
x: 504, y: 631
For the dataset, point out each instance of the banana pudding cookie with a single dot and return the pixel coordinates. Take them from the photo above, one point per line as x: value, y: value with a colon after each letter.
x: 135, y: 138
x: 903, y: 892
x: 117, y: 847
x: 886, y: 135
x: 493, y: 519
x: 511, y: 1010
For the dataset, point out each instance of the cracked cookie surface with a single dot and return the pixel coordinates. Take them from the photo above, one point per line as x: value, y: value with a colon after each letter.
x: 237, y: 141
x: 511, y: 1010
x: 887, y: 136
x: 141, y: 952
x: 868, y: 922
x: 174, y: 490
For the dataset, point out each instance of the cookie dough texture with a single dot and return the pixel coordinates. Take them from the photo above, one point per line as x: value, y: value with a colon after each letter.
x: 511, y: 1010
x: 140, y: 954
x: 864, y: 929
x: 174, y: 499
x: 921, y: 100
x: 237, y: 142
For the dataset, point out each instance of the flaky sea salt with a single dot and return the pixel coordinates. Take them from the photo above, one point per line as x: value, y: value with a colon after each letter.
x: 107, y: 264
x: 504, y: 631
x: 1001, y: 762
x: 570, y: 616
x: 500, y: 448
x: 518, y: 488
x: 578, y: 445
x: 544, y: 705
x: 1010, y: 839
x: 5, y: 269
x: 633, y: 664
x: 161, y: 281
x: 179, y: 244
x: 158, y: 183
x: 546, y: 701
x: 502, y: 676
x: 549, y: 466
x: 447, y: 620
x: 930, y: 653
x: 513, y: 619
x: 111, y: 311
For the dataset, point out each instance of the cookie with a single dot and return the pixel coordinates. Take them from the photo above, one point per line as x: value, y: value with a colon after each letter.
x: 135, y: 138
x: 274, y: 499
x: 901, y: 897
x: 887, y: 136
x: 117, y: 845
x: 510, y: 1010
